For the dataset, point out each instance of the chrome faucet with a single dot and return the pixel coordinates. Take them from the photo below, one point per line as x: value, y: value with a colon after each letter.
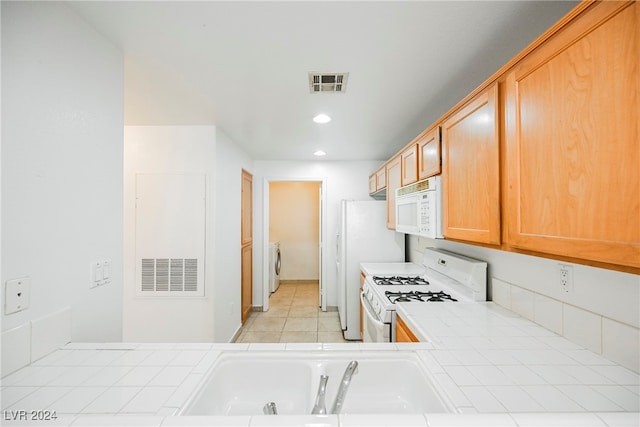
x: 344, y: 386
x: 320, y: 407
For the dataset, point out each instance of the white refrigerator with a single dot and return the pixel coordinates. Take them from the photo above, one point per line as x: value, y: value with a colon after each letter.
x: 362, y: 236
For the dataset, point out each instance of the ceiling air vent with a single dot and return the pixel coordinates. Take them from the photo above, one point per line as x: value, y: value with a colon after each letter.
x: 328, y: 82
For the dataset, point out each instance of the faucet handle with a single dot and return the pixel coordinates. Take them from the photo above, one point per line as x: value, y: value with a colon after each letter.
x: 320, y: 406
x: 270, y: 409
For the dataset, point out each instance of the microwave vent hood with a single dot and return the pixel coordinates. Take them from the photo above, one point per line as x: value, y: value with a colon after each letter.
x: 417, y: 186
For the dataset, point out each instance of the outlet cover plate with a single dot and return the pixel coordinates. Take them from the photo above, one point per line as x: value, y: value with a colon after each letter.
x: 17, y: 295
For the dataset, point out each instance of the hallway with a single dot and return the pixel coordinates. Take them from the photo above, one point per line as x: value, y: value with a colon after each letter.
x: 293, y: 316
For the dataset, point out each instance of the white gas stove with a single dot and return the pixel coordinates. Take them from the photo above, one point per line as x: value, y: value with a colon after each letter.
x: 443, y: 277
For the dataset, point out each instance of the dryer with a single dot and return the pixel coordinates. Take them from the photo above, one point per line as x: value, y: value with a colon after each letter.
x: 275, y: 264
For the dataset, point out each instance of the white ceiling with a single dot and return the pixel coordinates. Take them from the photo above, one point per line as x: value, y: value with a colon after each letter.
x: 243, y: 66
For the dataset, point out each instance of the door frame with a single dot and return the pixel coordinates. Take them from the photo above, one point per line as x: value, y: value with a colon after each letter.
x: 323, y: 236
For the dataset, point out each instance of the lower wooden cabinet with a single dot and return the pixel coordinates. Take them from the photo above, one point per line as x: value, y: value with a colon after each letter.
x: 403, y: 333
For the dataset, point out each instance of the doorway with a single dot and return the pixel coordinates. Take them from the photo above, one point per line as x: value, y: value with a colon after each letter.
x: 294, y: 218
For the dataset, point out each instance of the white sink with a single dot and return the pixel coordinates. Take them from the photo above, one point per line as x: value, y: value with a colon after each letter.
x: 241, y: 383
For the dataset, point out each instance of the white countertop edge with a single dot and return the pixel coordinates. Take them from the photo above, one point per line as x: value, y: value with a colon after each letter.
x: 605, y: 419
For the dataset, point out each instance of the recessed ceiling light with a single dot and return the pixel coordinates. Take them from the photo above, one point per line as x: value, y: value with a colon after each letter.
x: 322, y: 118
x: 319, y: 153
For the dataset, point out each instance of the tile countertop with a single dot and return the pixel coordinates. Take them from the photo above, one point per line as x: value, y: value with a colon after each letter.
x: 496, y: 367
x: 492, y: 360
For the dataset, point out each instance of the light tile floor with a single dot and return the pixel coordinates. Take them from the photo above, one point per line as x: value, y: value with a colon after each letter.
x: 293, y: 316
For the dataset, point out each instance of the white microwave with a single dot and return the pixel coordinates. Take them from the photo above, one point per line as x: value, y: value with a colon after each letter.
x: 419, y: 208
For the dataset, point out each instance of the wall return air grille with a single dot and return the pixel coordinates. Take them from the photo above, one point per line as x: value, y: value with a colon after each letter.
x: 168, y: 275
x: 328, y: 82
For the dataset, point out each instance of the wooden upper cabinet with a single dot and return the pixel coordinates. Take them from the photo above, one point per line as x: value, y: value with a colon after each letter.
x: 372, y: 184
x: 378, y: 182
x: 381, y: 179
x: 409, y: 165
x: 394, y: 180
x: 471, y: 171
x: 429, y: 154
x: 572, y: 140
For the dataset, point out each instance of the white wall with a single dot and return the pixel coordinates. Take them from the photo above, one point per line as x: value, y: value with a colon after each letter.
x: 344, y: 180
x: 601, y: 312
x: 230, y: 160
x: 167, y: 149
x: 62, y: 121
x: 193, y: 149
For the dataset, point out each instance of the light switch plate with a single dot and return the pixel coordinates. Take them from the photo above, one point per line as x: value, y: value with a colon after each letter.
x: 96, y: 274
x: 17, y: 295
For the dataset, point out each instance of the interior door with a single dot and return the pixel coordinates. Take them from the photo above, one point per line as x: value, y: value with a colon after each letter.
x: 246, y: 244
x: 321, y: 299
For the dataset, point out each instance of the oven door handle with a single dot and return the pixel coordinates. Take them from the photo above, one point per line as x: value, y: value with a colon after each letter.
x: 368, y: 311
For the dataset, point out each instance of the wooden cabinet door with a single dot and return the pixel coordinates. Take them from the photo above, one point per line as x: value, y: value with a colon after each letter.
x: 381, y: 179
x: 247, y: 208
x: 573, y: 150
x: 403, y: 333
x: 372, y: 184
x: 409, y: 165
x: 247, y: 281
x: 470, y: 171
x: 394, y: 180
x: 429, y: 154
x: 246, y: 243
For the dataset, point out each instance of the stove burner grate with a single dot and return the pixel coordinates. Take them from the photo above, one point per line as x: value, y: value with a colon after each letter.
x: 399, y: 280
x: 419, y: 296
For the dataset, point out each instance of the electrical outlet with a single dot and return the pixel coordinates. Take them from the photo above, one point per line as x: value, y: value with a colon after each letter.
x: 566, y: 277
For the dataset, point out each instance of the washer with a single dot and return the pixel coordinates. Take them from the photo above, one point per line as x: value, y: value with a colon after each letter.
x: 275, y: 264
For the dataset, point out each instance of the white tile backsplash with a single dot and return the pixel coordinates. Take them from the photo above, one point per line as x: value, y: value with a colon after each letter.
x: 50, y: 332
x: 501, y: 292
x: 16, y: 349
x: 621, y: 343
x: 522, y: 302
x: 616, y: 341
x: 548, y: 313
x: 582, y: 327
